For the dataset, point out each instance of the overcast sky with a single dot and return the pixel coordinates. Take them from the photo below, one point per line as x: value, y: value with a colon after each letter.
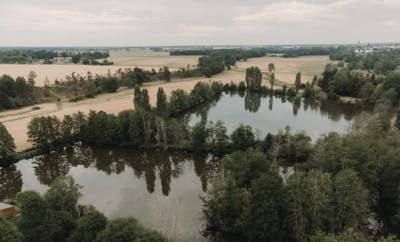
x: 204, y: 22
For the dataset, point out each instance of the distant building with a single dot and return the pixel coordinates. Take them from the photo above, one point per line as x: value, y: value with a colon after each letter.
x: 36, y: 63
x: 9, y: 211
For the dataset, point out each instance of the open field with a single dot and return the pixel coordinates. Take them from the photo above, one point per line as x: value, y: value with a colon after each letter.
x: 16, y: 121
x: 287, y: 68
x: 151, y: 59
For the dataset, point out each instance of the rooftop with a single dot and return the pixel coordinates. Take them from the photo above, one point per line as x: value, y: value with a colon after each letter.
x: 5, y: 206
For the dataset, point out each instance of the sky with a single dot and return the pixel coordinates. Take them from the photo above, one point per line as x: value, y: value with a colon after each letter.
x: 205, y: 22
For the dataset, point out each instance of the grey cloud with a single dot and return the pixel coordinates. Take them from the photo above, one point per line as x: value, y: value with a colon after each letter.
x: 135, y: 23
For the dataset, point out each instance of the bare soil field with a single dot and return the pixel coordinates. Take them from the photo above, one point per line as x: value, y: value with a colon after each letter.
x: 287, y: 68
x: 16, y: 121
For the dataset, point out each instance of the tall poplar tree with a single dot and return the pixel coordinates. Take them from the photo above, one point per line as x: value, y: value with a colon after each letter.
x: 137, y: 99
x: 7, y: 146
x: 161, y: 103
x: 298, y: 82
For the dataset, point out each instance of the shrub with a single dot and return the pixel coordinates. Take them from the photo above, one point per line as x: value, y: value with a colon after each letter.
x: 332, y: 95
x: 89, y: 89
x: 111, y: 85
x: 297, y: 98
x: 76, y: 99
x: 317, y: 90
x: 98, y: 91
x: 36, y: 108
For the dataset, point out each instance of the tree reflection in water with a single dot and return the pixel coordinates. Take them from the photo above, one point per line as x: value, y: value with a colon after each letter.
x: 252, y: 101
x: 10, y: 182
x: 146, y: 163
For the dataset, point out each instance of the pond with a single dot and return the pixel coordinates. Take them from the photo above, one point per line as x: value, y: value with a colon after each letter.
x: 123, y: 181
x: 268, y: 113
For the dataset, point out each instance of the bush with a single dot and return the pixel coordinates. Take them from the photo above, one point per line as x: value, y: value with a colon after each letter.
x: 76, y: 99
x: 317, y: 90
x: 332, y: 95
x: 297, y: 98
x: 89, y: 89
x: 242, y: 86
x: 111, y: 85
x: 98, y: 91
x: 36, y: 108
x: 232, y: 86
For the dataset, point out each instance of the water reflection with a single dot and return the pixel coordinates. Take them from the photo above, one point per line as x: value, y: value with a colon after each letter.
x: 252, y: 101
x: 10, y: 182
x: 315, y: 116
x: 146, y: 163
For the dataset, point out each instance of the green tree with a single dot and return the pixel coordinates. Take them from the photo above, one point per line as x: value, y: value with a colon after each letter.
x: 167, y: 74
x: 221, y: 137
x: 297, y: 83
x: 45, y: 132
x: 64, y: 195
x: 351, y: 201
x: 111, y: 85
x: 272, y: 81
x: 7, y: 146
x: 88, y: 226
x: 269, y: 212
x: 89, y: 89
x: 162, y: 105
x: 243, y: 137
x: 8, y: 231
x: 127, y: 229
x: 314, y: 81
x: 271, y: 67
x: 36, y: 222
x: 137, y: 98
x: 76, y: 58
x: 31, y: 78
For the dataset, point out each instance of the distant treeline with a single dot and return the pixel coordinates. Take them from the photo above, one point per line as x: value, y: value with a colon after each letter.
x: 289, y: 53
x: 28, y: 55
x: 381, y: 62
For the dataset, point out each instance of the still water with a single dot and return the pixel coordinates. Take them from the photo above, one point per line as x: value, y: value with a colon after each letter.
x: 123, y: 181
x: 268, y: 113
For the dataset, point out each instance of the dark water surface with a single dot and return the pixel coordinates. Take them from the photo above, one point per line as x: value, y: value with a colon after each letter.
x: 123, y: 181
